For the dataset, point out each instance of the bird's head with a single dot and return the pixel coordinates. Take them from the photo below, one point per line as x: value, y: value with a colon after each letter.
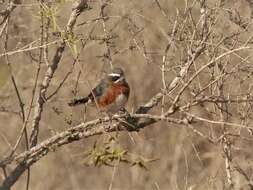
x: 116, y: 76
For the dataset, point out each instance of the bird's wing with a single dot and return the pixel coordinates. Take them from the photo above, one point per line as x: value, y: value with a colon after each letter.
x: 98, y: 91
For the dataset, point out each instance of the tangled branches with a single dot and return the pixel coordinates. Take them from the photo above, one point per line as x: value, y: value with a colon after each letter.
x: 203, y: 83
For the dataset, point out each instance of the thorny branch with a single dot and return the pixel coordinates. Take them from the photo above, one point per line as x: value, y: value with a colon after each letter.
x: 76, y: 11
x: 204, y: 53
x: 22, y: 166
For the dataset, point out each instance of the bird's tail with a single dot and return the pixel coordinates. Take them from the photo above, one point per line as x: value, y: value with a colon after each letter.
x: 77, y: 101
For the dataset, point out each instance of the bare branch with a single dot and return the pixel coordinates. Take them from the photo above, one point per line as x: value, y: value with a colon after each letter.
x: 17, y: 172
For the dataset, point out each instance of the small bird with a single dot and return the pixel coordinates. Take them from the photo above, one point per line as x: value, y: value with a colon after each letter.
x: 110, y: 95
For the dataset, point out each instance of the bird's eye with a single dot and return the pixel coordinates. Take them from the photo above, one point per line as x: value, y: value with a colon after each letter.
x: 114, y: 78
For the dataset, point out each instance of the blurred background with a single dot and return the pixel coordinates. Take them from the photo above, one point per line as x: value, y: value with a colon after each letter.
x: 135, y: 39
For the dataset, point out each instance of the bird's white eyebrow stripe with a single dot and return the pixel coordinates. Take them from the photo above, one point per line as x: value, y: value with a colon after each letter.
x: 114, y: 75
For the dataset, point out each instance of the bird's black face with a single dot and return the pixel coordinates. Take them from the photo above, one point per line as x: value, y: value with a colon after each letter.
x: 117, y: 76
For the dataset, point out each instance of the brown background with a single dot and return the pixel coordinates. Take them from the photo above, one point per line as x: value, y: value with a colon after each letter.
x: 185, y: 161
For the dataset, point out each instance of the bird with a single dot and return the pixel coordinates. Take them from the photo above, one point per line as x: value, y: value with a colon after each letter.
x: 110, y: 95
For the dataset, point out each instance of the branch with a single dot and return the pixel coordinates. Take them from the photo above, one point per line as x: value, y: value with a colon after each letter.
x: 24, y: 164
x: 76, y: 11
x: 84, y: 130
x: 5, y: 13
x: 174, y: 83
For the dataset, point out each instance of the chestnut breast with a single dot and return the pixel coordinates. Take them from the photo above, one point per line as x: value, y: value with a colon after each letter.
x: 114, y: 98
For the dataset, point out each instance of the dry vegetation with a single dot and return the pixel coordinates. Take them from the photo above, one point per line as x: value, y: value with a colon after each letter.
x: 189, y: 65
